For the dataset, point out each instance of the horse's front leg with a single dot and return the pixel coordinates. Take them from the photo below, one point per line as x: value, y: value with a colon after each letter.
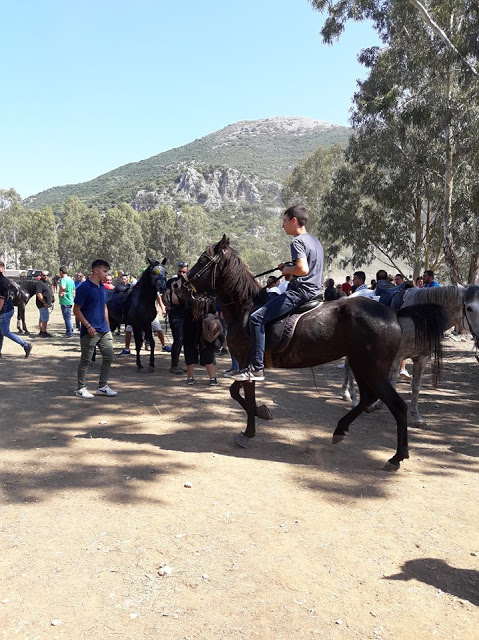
x: 138, y: 342
x: 261, y: 411
x: 151, y: 341
x: 250, y: 407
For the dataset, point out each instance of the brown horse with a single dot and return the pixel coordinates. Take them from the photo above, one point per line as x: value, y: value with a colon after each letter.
x: 367, y: 333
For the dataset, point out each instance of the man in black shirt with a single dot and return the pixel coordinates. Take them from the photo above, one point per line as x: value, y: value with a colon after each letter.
x: 175, y: 308
x: 44, y: 303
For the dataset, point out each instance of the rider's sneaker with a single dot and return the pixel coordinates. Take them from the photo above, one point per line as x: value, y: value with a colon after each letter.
x: 167, y: 348
x: 256, y: 375
x: 83, y: 393
x: 213, y: 382
x: 405, y: 375
x: 28, y: 347
x: 190, y: 380
x: 242, y: 375
x: 125, y: 352
x: 105, y: 391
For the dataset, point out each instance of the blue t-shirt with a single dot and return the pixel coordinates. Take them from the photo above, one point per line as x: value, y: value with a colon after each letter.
x: 309, y: 247
x: 92, y: 300
x: 433, y: 284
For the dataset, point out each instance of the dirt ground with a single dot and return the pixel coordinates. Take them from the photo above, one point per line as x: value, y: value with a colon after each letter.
x: 293, y: 538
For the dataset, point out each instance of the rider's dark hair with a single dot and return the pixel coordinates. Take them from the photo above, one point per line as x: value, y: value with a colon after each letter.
x: 430, y: 273
x: 361, y: 275
x: 299, y: 213
x: 381, y: 275
x: 64, y: 270
x: 99, y: 263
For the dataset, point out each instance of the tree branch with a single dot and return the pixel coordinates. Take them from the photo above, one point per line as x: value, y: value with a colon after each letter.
x: 439, y: 32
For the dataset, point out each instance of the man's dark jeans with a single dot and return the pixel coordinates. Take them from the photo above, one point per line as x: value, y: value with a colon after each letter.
x: 274, y: 308
x: 176, y: 325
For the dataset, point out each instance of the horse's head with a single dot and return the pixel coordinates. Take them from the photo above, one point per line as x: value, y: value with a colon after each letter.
x: 157, y: 273
x: 201, y: 280
x: 471, y: 311
x: 17, y: 294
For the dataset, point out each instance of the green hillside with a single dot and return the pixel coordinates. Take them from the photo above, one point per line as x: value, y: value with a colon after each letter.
x: 267, y: 148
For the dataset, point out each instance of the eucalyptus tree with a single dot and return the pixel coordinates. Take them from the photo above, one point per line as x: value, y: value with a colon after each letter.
x: 433, y: 61
x: 80, y: 236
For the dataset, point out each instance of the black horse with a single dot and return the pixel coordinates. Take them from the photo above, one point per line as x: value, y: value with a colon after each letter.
x: 21, y: 294
x: 137, y: 307
x: 369, y: 334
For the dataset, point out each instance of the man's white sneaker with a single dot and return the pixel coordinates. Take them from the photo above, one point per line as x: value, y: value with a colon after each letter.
x: 405, y: 375
x: 83, y: 393
x: 105, y: 391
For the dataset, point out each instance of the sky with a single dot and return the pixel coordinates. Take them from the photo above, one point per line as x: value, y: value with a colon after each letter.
x: 90, y: 86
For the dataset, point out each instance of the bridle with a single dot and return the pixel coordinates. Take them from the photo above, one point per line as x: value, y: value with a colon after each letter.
x: 213, y: 262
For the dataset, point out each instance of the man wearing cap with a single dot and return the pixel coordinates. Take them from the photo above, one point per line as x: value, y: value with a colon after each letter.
x: 175, y: 308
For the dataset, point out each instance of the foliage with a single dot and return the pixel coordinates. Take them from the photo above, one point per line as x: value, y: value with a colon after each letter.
x: 417, y: 120
x: 122, y: 239
x: 79, y: 239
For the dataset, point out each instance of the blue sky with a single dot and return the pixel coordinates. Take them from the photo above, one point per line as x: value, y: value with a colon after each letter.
x: 89, y: 86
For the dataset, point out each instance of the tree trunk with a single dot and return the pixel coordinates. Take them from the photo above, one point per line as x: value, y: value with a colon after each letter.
x: 418, y: 239
x: 448, y: 245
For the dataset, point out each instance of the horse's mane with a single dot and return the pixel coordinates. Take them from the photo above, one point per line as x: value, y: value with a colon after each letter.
x: 448, y: 295
x: 471, y: 292
x: 238, y: 282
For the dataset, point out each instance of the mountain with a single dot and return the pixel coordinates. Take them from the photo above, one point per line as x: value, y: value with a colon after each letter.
x: 245, y: 161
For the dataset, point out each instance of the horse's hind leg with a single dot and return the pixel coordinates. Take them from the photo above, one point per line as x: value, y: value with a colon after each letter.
x: 348, y: 390
x: 398, y: 408
x: 416, y: 420
x: 366, y: 397
x: 261, y: 411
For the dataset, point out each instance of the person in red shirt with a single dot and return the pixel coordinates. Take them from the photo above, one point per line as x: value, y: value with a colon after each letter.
x: 347, y: 286
x: 108, y: 284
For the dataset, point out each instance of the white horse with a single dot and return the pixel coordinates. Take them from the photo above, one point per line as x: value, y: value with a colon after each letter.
x: 462, y: 307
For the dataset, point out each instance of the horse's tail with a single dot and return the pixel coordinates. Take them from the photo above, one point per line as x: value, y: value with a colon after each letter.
x: 430, y: 322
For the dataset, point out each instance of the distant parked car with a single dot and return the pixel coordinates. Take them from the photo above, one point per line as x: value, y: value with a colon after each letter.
x: 33, y: 274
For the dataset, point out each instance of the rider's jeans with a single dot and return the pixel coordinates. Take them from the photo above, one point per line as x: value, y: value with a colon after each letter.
x: 5, y: 329
x: 274, y: 308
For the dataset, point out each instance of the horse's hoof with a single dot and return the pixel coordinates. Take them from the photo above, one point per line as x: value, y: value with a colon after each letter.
x: 417, y: 424
x: 263, y: 412
x: 242, y: 441
x: 151, y: 368
x: 139, y: 366
x: 337, y: 439
x: 391, y: 467
x: 346, y: 397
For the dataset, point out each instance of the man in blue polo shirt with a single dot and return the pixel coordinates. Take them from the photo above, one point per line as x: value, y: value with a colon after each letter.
x: 91, y: 311
x: 429, y: 281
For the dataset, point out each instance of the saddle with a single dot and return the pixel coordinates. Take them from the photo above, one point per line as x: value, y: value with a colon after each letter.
x: 280, y: 331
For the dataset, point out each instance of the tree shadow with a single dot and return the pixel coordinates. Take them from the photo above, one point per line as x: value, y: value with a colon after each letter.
x: 157, y: 414
x: 462, y: 583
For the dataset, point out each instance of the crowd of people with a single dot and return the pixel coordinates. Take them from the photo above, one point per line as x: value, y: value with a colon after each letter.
x: 83, y: 306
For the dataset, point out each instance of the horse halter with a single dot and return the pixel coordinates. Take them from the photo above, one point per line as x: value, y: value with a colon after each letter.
x: 213, y: 262
x: 465, y: 320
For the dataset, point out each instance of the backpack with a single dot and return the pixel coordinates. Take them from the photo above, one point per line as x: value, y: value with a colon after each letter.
x: 210, y: 328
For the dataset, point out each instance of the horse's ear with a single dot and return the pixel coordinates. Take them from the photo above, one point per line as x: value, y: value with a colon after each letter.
x: 224, y: 242
x: 149, y: 261
x: 163, y: 262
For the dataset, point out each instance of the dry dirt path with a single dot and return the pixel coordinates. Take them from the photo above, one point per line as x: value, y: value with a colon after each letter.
x: 293, y: 538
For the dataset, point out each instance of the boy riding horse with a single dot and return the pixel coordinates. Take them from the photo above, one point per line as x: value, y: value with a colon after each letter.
x: 307, y: 271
